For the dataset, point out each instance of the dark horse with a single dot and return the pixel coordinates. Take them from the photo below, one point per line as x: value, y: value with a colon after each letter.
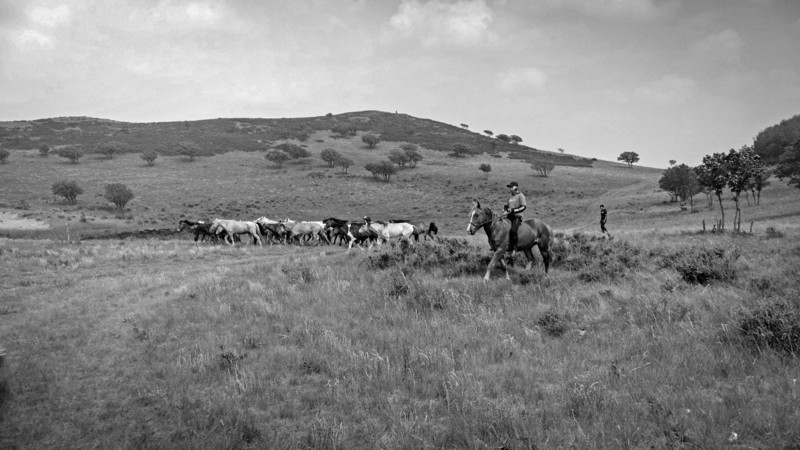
x: 531, y: 232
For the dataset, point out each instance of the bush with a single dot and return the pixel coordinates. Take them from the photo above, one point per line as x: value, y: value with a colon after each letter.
x: 371, y: 140
x: 3, y: 155
x: 118, y: 194
x: 702, y: 265
x: 44, y: 150
x: 774, y: 324
x: 73, y: 154
x: 773, y: 233
x: 553, y: 322
x: 67, y: 189
x: 149, y: 156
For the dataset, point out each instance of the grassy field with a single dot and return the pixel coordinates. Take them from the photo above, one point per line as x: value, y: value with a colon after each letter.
x: 665, y: 337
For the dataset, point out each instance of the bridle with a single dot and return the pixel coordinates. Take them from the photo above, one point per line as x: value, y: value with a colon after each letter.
x: 478, y: 226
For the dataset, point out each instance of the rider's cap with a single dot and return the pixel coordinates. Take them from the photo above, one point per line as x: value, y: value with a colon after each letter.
x: 513, y: 184
x: 367, y: 219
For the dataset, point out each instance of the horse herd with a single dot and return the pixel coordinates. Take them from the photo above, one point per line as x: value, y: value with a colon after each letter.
x: 328, y: 231
x: 531, y: 233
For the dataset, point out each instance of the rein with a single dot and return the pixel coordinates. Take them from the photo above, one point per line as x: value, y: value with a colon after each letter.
x: 478, y: 226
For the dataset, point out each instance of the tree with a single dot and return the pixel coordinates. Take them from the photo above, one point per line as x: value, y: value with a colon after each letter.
x: 504, y: 138
x: 543, y: 167
x: 488, y: 133
x: 44, y: 150
x: 109, y: 149
x: 387, y: 169
x: 277, y: 156
x: 789, y: 165
x: 67, y: 189
x: 413, y: 154
x: 561, y: 150
x: 374, y: 169
x: 191, y: 150
x: 485, y: 168
x: 3, y: 155
x: 344, y: 163
x: 629, y: 157
x: 741, y: 166
x: 459, y: 150
x: 118, y: 194
x: 515, y: 139
x: 149, y: 156
x: 399, y: 157
x: 73, y: 153
x: 760, y: 181
x: 681, y: 182
x: 330, y: 156
x: 672, y: 162
x: 370, y: 139
x: 344, y: 131
x: 293, y: 150
x: 464, y: 126
x: 713, y: 174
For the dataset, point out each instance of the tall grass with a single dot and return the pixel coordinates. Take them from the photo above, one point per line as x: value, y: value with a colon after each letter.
x: 160, y: 344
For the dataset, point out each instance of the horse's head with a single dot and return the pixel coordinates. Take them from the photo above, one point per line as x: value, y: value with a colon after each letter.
x: 183, y: 224
x: 478, y: 217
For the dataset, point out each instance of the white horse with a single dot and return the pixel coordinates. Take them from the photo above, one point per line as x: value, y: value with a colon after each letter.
x: 232, y: 227
x: 388, y: 231
x: 314, y: 230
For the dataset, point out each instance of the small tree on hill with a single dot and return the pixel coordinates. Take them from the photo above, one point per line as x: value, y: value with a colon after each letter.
x: 459, y: 150
x: 44, y: 150
x: 277, y: 156
x: 629, y: 158
x: 67, y: 189
x: 681, y: 182
x: 330, y: 156
x: 73, y: 154
x: 374, y: 169
x: 191, y: 150
x: 504, y: 138
x: 344, y: 131
x: 344, y: 163
x: 118, y: 194
x: 713, y: 174
x: 515, y: 139
x: 741, y: 166
x: 672, y: 162
x: 110, y: 149
x: 561, y: 150
x: 3, y: 155
x: 293, y: 150
x: 149, y: 156
x: 543, y: 167
x: 488, y: 133
x: 464, y: 126
x: 370, y: 139
x: 399, y: 157
x: 485, y: 168
x: 387, y: 169
x: 413, y: 154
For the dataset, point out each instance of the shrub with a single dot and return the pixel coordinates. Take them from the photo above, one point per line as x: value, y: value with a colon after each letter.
x: 277, y: 156
x: 118, y: 194
x: 298, y: 273
x: 553, y: 322
x: 773, y: 233
x: 702, y: 265
x: 3, y: 155
x: 344, y: 163
x: 44, y: 150
x: 149, y: 156
x: 370, y: 139
x: 485, y: 168
x: 109, y: 149
x: 774, y: 324
x: 330, y: 156
x: 73, y: 154
x: 67, y: 189
x: 544, y: 168
x: 293, y: 150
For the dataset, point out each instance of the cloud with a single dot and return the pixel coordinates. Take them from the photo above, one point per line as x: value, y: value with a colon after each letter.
x: 721, y: 47
x: 436, y: 23
x: 522, y: 80
x: 28, y: 39
x: 617, y: 9
x: 667, y: 90
x: 199, y: 14
x: 51, y: 17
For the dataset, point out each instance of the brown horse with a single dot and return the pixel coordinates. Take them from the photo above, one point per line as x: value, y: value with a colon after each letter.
x: 531, y: 232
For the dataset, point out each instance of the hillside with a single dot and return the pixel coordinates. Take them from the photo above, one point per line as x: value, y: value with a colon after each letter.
x: 251, y: 134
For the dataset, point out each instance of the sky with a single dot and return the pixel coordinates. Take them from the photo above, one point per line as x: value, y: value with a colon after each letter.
x: 667, y: 79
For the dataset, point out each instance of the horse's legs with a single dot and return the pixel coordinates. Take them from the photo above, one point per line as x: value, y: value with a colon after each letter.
x: 547, y: 257
x: 531, y: 259
x: 498, y: 256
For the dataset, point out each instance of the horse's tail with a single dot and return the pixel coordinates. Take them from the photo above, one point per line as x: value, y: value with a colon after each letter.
x: 545, y: 246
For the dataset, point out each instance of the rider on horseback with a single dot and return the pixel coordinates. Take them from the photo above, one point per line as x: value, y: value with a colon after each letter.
x: 513, y: 210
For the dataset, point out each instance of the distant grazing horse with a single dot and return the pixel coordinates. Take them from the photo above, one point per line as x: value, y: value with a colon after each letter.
x: 234, y: 227
x: 388, y: 231
x: 303, y: 229
x: 531, y: 232
x: 201, y: 229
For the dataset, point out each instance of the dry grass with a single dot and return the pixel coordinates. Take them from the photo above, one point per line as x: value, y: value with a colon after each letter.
x: 161, y: 344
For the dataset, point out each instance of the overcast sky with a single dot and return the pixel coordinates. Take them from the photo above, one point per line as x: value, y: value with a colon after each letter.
x: 668, y: 79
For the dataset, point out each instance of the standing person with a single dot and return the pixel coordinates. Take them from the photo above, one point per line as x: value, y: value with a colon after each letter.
x: 514, y: 208
x: 603, y: 214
